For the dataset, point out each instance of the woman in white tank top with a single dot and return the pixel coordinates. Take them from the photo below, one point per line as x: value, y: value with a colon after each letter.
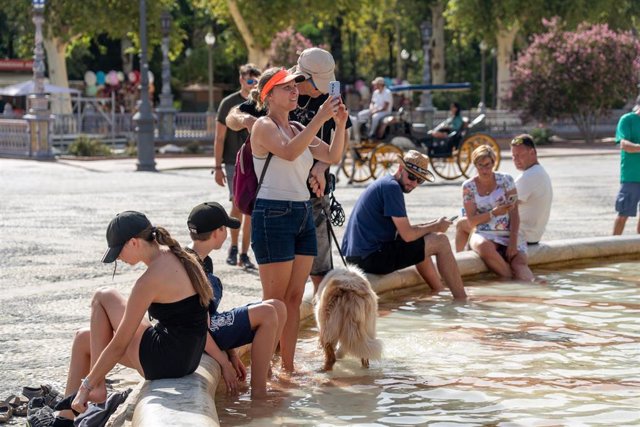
x: 283, y: 235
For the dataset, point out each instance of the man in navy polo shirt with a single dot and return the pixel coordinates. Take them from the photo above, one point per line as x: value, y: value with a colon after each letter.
x: 380, y: 239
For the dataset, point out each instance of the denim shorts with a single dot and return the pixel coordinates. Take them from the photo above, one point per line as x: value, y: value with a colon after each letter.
x: 280, y: 230
x: 628, y: 199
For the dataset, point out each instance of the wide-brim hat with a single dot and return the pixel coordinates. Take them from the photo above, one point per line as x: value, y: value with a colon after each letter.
x: 319, y: 65
x: 378, y: 81
x: 417, y: 164
x: 124, y: 226
x: 210, y: 216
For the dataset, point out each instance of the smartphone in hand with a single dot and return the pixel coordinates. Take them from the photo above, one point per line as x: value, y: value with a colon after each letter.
x: 453, y: 218
x: 513, y: 199
x: 334, y: 89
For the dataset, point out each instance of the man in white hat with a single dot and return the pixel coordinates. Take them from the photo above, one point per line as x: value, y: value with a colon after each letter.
x: 318, y: 67
x: 380, y: 106
x: 380, y: 239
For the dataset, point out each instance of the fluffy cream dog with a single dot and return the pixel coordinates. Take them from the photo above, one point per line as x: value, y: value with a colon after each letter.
x: 346, y: 311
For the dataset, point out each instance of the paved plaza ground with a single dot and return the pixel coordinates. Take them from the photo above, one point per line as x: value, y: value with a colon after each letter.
x: 53, y: 217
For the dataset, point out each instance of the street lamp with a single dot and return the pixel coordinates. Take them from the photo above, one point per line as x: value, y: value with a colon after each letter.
x: 210, y: 40
x: 494, y: 77
x: 38, y: 115
x: 144, y: 118
x: 483, y: 50
x: 426, y: 102
x: 166, y: 112
x: 405, y: 55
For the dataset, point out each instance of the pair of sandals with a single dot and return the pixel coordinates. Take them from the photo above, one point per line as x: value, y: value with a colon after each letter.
x: 13, y: 405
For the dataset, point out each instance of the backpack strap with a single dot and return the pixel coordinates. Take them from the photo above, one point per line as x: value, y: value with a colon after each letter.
x: 264, y: 171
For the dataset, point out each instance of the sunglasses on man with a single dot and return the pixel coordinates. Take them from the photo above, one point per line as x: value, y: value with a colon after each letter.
x: 412, y: 177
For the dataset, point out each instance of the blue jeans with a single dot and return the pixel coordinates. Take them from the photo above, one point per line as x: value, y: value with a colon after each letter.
x: 280, y: 230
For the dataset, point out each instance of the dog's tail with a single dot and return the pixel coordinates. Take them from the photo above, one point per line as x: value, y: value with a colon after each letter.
x: 358, y: 334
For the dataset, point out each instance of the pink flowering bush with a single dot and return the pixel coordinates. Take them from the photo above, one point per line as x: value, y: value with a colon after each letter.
x: 579, y: 74
x: 286, y: 47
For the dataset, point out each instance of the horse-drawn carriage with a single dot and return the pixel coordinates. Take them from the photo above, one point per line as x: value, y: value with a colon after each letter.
x: 450, y: 157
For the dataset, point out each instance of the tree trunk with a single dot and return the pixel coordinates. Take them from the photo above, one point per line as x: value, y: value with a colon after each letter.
x: 55, y: 48
x: 398, y: 50
x: 257, y: 54
x: 506, y: 35
x: 438, y: 72
x: 127, y: 57
x: 335, y: 32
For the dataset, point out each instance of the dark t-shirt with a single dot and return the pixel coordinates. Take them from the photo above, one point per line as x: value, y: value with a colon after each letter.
x: 371, y: 224
x: 233, y: 140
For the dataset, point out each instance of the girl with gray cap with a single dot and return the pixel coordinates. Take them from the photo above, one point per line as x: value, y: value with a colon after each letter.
x: 173, y: 289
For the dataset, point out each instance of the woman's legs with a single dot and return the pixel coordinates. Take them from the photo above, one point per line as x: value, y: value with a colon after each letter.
x: 489, y: 254
x: 521, y: 270
x: 292, y: 299
x: 107, y: 310
x: 79, y: 365
x: 285, y: 281
x: 281, y: 313
x: 275, y: 278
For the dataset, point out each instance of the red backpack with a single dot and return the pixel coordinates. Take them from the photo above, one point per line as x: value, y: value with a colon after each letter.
x: 245, y: 181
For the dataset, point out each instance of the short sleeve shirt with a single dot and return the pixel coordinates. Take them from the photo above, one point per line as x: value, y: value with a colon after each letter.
x: 233, y: 140
x: 379, y: 98
x: 535, y: 194
x: 504, y: 184
x: 629, y: 129
x: 371, y: 224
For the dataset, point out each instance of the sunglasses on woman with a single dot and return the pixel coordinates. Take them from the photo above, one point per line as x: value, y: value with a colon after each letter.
x: 412, y: 177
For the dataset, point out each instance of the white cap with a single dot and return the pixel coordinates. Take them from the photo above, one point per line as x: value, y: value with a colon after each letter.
x: 317, y: 64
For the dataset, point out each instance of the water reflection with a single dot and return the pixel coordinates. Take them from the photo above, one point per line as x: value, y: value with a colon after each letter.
x: 561, y: 353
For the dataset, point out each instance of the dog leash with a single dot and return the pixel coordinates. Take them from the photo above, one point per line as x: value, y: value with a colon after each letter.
x: 335, y: 239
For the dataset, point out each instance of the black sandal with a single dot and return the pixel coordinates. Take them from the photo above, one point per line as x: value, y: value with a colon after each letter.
x: 65, y: 404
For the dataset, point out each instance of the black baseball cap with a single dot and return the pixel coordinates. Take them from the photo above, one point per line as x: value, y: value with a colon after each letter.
x: 209, y: 216
x: 123, y: 227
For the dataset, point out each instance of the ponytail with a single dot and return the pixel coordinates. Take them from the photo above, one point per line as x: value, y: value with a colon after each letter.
x: 190, y: 263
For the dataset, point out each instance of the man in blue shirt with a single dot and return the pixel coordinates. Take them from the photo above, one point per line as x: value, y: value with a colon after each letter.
x: 380, y: 239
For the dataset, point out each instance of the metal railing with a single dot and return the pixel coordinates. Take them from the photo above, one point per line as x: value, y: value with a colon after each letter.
x: 14, y: 137
x: 200, y: 126
x: 121, y: 126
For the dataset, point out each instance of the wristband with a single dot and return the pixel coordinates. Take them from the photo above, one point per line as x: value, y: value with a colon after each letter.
x: 217, y: 167
x: 85, y: 383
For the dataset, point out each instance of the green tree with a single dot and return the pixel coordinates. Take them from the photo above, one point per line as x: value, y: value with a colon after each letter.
x: 499, y: 22
x: 66, y: 21
x: 581, y: 74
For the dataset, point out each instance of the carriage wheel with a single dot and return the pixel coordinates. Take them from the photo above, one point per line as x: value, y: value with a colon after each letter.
x: 446, y: 167
x: 469, y: 144
x: 384, y: 160
x: 355, y: 164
